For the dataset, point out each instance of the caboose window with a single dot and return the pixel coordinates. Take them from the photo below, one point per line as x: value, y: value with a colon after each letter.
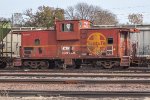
x: 110, y: 41
x: 37, y: 42
x: 67, y: 27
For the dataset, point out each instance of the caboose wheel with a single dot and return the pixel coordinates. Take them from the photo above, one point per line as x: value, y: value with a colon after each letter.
x: 44, y: 65
x: 125, y: 67
x: 107, y: 65
x: 30, y: 64
x: 25, y: 65
x: 3, y: 64
x: 77, y: 66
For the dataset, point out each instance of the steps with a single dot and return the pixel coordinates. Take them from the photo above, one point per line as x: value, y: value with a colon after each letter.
x: 125, y: 61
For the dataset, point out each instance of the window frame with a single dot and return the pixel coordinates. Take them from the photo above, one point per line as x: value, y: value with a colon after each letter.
x: 63, y: 29
x: 37, y: 42
x: 110, y: 42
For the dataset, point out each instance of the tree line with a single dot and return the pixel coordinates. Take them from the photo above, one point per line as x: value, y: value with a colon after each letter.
x: 45, y: 16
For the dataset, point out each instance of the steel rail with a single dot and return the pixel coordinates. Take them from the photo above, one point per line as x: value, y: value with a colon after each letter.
x: 75, y: 71
x: 139, y: 75
x: 24, y: 93
x: 74, y: 81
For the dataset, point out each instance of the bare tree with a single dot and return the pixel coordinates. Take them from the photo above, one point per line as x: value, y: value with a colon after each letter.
x: 70, y: 13
x: 82, y: 10
x: 105, y: 17
x: 17, y: 19
x: 135, y: 18
x: 30, y: 18
x: 90, y: 12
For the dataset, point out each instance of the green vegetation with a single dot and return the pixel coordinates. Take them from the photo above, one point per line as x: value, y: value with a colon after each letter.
x: 4, y: 29
x: 44, y: 17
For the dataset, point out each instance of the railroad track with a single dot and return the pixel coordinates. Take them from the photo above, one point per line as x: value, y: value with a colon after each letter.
x: 74, y: 81
x: 130, y: 70
x: 140, y: 75
x: 41, y: 77
x: 78, y: 78
x: 24, y: 93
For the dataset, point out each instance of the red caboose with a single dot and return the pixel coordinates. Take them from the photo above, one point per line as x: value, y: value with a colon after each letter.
x: 74, y: 42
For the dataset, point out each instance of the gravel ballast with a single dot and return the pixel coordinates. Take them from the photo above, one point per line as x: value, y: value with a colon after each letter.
x: 75, y: 87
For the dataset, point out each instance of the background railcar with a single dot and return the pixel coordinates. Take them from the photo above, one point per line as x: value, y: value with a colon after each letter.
x: 141, y: 46
x: 4, y: 30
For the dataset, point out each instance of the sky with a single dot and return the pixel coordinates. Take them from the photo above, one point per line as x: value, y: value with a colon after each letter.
x: 122, y: 8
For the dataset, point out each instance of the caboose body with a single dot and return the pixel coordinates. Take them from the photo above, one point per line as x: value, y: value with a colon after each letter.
x: 73, y: 43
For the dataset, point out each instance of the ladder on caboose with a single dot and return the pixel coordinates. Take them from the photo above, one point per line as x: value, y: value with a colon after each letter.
x: 125, y: 61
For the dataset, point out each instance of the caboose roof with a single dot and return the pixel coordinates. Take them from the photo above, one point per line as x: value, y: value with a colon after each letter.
x: 72, y: 20
x: 20, y: 31
x: 111, y: 28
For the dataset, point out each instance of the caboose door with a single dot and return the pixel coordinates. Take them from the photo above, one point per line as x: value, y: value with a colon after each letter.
x: 124, y: 43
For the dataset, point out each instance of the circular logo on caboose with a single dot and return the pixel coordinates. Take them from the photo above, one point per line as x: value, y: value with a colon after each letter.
x: 96, y: 43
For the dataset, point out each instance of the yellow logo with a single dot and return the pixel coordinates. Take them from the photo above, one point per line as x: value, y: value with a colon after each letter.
x: 96, y: 43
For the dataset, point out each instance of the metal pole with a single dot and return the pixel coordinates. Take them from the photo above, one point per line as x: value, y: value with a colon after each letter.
x: 2, y: 38
x: 11, y: 35
x: 6, y: 46
x: 143, y: 43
